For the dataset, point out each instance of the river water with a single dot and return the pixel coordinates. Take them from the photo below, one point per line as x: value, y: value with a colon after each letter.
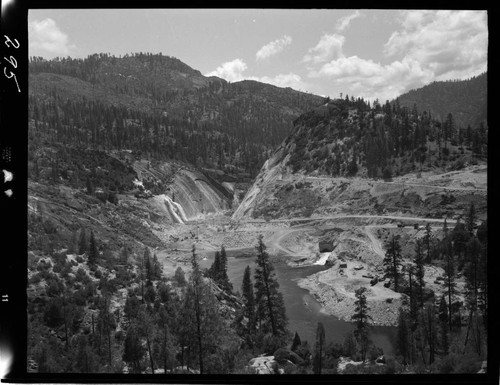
x: 302, y: 309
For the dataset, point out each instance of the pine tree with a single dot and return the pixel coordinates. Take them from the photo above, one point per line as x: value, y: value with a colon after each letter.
x: 90, y: 186
x: 124, y: 255
x: 73, y: 245
x: 472, y: 278
x: 482, y: 281
x: 296, y: 342
x: 349, y: 345
x: 179, y: 276
x: 148, y: 267
x: 213, y: 271
x: 218, y: 270
x: 223, y: 279
x: 82, y: 243
x: 427, y: 239
x: 105, y: 325
x: 471, y: 271
x: 443, y: 325
x: 361, y: 318
x: 86, y: 360
x: 133, y: 350
x: 449, y: 279
x: 92, y: 250
x: 411, y: 294
x: 429, y: 330
x: 147, y: 330
x: 157, y: 268
x: 269, y: 301
x: 419, y: 271
x: 470, y: 221
x: 460, y: 237
x: 166, y: 351
x: 248, y: 299
x: 203, y: 328
x: 392, y: 260
x: 403, y: 343
x: 319, y: 348
x: 131, y: 309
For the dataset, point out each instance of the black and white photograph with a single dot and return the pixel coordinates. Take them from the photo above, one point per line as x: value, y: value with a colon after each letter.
x: 251, y: 192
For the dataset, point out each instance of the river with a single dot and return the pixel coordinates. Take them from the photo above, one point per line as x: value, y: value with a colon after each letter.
x: 302, y: 309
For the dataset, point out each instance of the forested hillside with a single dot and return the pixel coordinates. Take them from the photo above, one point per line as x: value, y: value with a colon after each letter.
x: 345, y: 136
x: 160, y: 107
x: 466, y: 100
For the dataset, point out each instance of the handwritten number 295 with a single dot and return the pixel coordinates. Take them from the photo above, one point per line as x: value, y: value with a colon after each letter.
x: 11, y: 60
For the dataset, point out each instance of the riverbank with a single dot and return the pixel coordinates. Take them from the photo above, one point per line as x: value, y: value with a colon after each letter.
x: 335, y: 292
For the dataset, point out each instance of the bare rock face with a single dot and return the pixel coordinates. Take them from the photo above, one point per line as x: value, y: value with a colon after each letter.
x: 181, y: 192
x: 197, y: 195
x: 264, y: 365
x: 262, y: 189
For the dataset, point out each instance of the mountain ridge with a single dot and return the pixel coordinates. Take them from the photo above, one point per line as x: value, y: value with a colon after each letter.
x: 466, y: 100
x: 240, y: 123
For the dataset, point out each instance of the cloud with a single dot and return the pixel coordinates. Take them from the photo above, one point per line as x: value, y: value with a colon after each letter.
x: 427, y: 46
x: 273, y: 47
x: 345, y: 21
x: 46, y: 39
x: 284, y: 80
x: 329, y: 47
x: 231, y: 71
x: 373, y: 80
x: 450, y: 43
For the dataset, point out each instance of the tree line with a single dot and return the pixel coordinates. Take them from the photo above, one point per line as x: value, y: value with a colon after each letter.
x: 445, y: 333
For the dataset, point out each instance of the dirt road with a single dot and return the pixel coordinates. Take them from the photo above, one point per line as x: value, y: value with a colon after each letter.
x: 407, y: 184
x: 349, y: 216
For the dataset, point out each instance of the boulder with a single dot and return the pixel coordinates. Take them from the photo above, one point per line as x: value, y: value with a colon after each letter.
x: 263, y: 365
x: 283, y: 355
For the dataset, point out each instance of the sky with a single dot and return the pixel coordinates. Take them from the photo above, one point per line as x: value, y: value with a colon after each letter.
x: 374, y: 54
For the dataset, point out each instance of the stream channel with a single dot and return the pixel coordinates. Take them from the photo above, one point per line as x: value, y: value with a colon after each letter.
x: 302, y: 309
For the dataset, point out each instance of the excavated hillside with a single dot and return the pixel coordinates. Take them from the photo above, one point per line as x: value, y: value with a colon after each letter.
x: 349, y: 175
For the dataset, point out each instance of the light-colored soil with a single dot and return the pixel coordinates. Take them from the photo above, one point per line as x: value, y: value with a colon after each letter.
x: 335, y: 290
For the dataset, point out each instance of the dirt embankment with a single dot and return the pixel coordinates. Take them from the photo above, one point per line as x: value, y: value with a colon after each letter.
x: 278, y: 193
x: 335, y: 290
